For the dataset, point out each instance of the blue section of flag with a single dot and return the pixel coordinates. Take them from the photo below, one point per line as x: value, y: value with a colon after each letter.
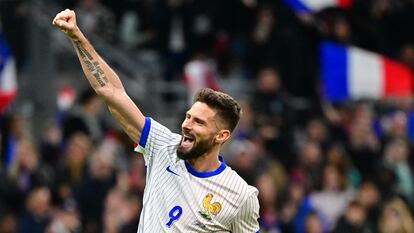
x: 5, y: 52
x: 334, y: 72
x: 297, y: 6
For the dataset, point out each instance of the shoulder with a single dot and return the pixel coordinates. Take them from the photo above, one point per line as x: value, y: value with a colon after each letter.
x: 155, y: 137
x: 160, y: 129
x: 238, y: 186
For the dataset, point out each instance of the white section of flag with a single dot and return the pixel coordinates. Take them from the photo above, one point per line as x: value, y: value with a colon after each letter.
x: 8, y: 77
x: 319, y: 4
x: 366, y: 74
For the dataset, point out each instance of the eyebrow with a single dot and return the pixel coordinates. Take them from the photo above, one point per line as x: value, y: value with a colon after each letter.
x: 197, y: 119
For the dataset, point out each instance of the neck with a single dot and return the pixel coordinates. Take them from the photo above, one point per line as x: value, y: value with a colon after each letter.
x: 208, y: 162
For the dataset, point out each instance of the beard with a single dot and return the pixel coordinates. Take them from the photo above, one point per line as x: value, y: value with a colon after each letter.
x: 198, y: 149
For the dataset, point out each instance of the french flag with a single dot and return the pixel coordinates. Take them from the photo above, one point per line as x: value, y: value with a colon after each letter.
x: 305, y: 6
x: 8, y: 85
x: 353, y: 73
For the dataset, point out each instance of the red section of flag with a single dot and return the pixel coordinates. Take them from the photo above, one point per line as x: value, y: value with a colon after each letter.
x: 345, y: 3
x: 398, y: 79
x: 5, y: 100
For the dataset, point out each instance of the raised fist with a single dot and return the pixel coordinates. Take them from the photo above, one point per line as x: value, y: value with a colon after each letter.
x: 66, y: 21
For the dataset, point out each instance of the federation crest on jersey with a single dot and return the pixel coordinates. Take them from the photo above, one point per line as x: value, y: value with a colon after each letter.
x: 209, y: 208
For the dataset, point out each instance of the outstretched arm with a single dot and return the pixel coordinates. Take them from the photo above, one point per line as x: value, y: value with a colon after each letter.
x: 102, y: 78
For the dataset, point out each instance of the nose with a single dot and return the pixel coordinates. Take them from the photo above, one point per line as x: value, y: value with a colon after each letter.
x: 186, y: 125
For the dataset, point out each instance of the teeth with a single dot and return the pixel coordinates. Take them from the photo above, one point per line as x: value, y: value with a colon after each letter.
x: 186, y: 138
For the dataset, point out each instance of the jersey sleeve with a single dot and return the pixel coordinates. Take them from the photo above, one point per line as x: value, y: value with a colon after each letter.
x: 154, y: 136
x: 246, y: 219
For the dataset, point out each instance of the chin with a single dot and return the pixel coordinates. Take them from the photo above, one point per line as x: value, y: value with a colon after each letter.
x: 186, y: 154
x: 181, y: 152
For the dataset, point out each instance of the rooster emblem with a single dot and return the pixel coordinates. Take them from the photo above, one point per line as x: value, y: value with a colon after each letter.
x: 212, y: 208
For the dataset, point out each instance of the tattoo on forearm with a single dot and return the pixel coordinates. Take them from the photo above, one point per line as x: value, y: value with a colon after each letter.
x: 83, y: 52
x: 89, y: 65
x: 92, y: 65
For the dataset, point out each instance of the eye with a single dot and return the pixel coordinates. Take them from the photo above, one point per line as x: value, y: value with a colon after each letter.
x: 199, y: 121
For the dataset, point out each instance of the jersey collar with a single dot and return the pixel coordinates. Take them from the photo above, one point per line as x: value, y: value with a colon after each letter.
x: 206, y: 174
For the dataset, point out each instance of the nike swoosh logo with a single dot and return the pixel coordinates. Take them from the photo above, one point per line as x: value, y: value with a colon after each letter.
x: 170, y: 171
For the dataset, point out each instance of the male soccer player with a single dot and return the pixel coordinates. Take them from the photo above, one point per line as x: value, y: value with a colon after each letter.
x: 189, y: 187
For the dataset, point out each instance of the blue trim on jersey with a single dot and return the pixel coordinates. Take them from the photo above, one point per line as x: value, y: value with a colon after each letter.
x: 206, y: 174
x: 145, y: 132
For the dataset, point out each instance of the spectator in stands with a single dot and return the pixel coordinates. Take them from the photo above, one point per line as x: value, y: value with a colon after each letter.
x: 316, y: 131
x: 272, y: 114
x: 27, y: 170
x: 243, y: 155
x: 270, y: 100
x: 122, y: 212
x: 308, y: 166
x: 266, y: 44
x: 341, y: 31
x: 85, y: 118
x: 199, y: 73
x: 99, y: 180
x: 65, y: 219
x: 396, y: 217
x: 396, y: 158
x: 132, y: 212
x: 334, y: 197
x: 15, y: 128
x: 337, y: 156
x: 136, y: 175
x: 173, y: 34
x: 73, y: 166
x: 268, y: 195
x: 354, y: 220
x: 313, y: 224
x: 8, y: 222
x: 369, y: 197
x: 38, y: 211
x: 50, y: 145
x: 363, y: 145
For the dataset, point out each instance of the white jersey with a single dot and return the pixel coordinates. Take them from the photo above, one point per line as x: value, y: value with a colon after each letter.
x: 179, y: 199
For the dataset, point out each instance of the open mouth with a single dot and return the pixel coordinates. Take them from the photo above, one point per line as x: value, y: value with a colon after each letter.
x: 187, y: 141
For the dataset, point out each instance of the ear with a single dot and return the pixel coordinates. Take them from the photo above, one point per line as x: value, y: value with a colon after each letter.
x: 222, y: 136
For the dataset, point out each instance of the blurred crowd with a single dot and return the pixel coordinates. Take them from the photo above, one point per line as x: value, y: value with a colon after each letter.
x: 320, y: 167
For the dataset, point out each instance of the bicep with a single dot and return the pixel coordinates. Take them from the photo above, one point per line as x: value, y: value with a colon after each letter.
x: 126, y: 113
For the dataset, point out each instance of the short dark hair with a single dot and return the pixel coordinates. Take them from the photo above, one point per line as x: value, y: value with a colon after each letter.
x: 226, y: 107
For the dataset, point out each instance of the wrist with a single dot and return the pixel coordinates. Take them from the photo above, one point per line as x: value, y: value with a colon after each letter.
x: 75, y: 34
